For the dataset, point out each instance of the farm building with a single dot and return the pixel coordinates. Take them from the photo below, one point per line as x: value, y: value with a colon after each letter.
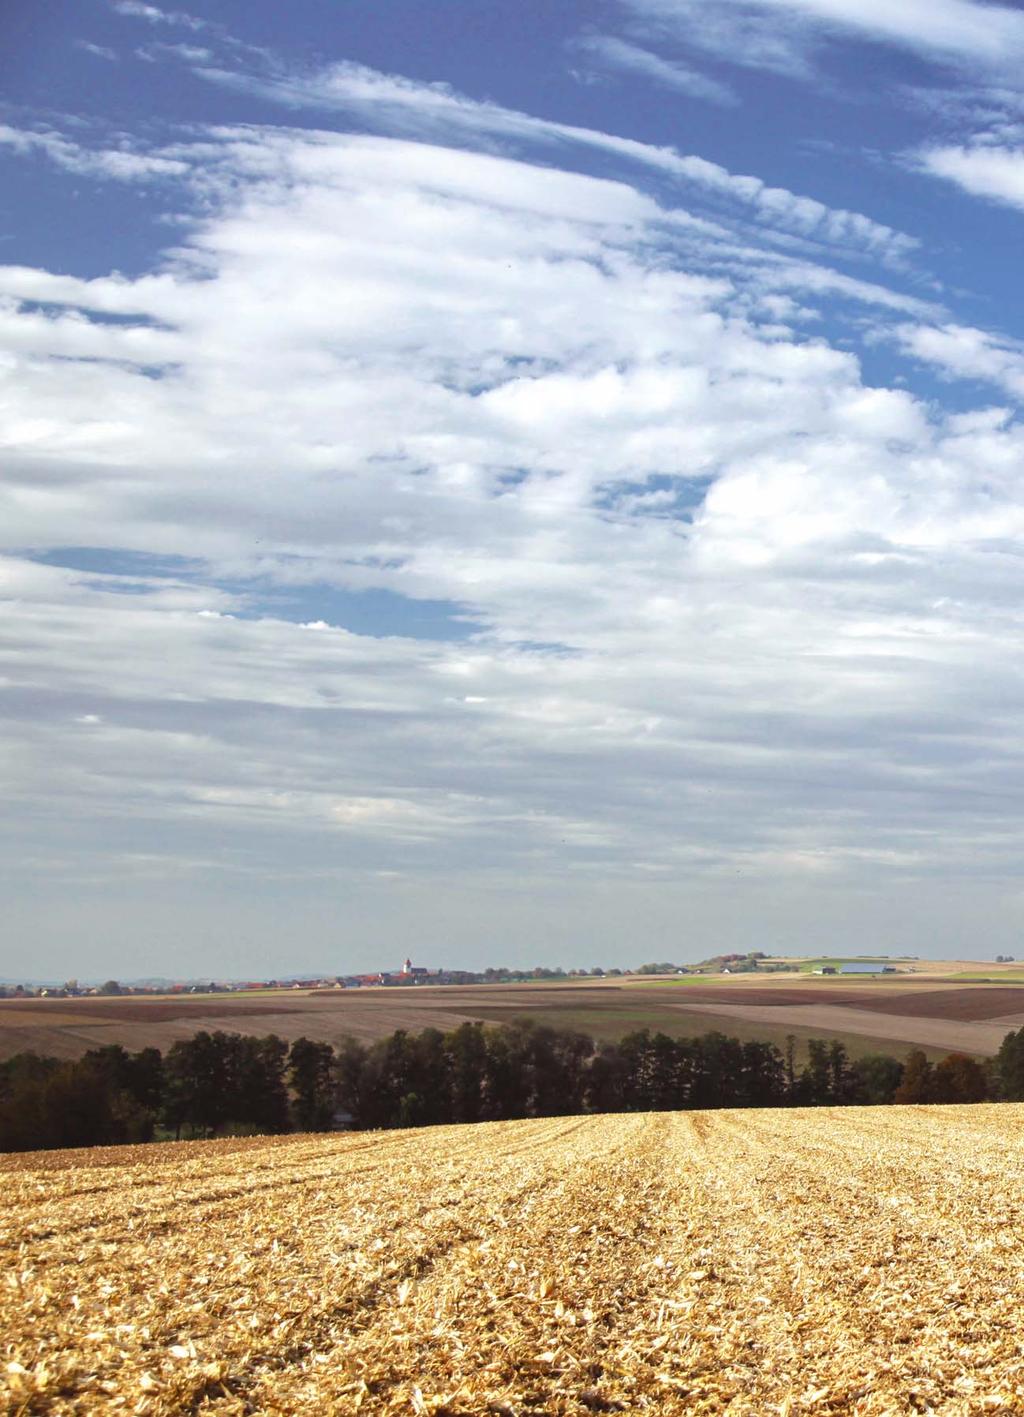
x: 864, y: 967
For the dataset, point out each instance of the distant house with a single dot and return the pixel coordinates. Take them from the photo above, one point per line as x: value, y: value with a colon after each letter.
x: 826, y: 969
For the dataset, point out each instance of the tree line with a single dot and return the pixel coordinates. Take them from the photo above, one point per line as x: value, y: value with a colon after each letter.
x: 218, y: 1083
x: 204, y: 1086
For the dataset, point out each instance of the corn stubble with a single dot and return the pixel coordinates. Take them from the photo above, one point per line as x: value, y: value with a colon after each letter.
x: 863, y: 1261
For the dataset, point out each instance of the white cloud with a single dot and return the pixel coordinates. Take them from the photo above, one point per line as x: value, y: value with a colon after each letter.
x: 136, y: 10
x: 99, y: 51
x: 618, y: 54
x: 437, y: 112
x: 187, y: 53
x: 955, y: 28
x: 983, y: 169
x: 783, y: 34
x: 961, y: 352
x: 116, y: 164
x: 727, y: 603
x: 750, y: 36
x: 817, y: 280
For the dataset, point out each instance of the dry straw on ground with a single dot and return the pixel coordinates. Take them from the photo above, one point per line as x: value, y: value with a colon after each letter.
x: 862, y: 1261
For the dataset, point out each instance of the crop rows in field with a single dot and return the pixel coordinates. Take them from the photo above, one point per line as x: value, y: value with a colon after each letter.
x: 866, y: 1261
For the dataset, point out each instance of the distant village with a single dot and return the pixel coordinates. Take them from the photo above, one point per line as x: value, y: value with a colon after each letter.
x: 410, y: 975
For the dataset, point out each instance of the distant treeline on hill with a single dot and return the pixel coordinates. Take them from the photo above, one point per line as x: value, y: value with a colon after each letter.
x: 217, y: 1083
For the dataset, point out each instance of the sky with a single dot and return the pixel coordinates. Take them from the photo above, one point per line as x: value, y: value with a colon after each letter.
x: 509, y: 483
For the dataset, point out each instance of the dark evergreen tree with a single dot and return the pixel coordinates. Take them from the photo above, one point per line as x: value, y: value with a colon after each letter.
x: 134, y: 1082
x: 200, y: 1082
x: 429, y: 1100
x: 605, y: 1084
x: 312, y: 1078
x: 260, y: 1100
x: 637, y: 1068
x: 145, y: 1080
x: 466, y: 1050
x: 668, y: 1073
x: 351, y: 1072
x: 506, y: 1079
x: 875, y: 1078
x: 814, y: 1088
x: 840, y: 1079
x: 717, y: 1065
x: 762, y: 1076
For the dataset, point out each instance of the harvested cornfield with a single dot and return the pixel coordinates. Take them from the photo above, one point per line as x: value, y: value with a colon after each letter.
x: 862, y: 1261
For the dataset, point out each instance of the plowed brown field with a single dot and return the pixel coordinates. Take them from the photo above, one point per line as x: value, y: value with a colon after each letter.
x: 861, y: 1261
x: 882, y: 1016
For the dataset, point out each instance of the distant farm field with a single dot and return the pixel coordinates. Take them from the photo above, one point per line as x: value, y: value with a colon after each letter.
x: 863, y: 1261
x: 876, y: 1015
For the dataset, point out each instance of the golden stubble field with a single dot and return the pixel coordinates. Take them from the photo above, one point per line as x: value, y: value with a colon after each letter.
x: 860, y: 1261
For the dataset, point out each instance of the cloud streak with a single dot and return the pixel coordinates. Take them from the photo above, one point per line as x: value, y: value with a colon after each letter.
x: 613, y: 53
x: 154, y: 15
x: 115, y: 164
x: 785, y: 35
x: 437, y: 112
x: 983, y: 169
x: 961, y: 352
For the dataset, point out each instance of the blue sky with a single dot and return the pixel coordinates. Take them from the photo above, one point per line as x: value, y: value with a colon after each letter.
x: 509, y: 482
